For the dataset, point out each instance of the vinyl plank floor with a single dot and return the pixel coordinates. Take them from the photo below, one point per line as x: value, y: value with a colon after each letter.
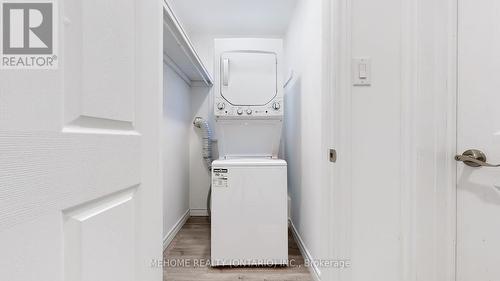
x: 187, y: 256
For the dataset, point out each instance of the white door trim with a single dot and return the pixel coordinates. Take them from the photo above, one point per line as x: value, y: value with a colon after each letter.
x: 428, y: 194
x: 337, y: 133
x: 409, y: 86
x: 149, y: 109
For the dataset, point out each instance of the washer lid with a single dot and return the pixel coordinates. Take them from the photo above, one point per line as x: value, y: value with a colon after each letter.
x: 248, y: 78
x: 248, y: 162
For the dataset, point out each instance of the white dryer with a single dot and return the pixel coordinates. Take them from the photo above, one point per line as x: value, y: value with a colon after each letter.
x: 249, y: 182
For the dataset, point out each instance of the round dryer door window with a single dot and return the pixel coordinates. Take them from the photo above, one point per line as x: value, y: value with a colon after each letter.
x: 248, y: 78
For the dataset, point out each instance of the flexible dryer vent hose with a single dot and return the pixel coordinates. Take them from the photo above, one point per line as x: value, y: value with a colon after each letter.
x: 202, y: 124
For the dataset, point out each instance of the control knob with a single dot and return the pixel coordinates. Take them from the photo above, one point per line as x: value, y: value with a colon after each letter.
x: 249, y: 111
x: 239, y: 111
x: 276, y: 106
x: 221, y: 105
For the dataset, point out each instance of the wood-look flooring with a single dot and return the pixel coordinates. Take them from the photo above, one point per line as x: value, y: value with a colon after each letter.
x: 192, y: 245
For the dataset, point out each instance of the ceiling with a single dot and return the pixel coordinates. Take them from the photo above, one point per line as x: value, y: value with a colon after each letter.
x: 235, y: 17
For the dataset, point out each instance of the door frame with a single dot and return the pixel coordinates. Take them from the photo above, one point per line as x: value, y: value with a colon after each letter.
x: 336, y: 110
x: 429, y: 93
x: 428, y: 139
x: 431, y: 247
x: 149, y: 111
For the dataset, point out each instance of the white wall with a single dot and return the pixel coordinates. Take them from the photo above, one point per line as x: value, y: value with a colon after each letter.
x: 176, y: 128
x: 201, y: 106
x: 403, y: 140
x: 303, y: 122
x: 376, y: 142
x: 199, y: 176
x: 398, y: 222
x: 256, y: 18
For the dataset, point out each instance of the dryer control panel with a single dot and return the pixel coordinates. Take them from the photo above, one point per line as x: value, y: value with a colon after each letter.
x: 272, y: 109
x: 248, y: 78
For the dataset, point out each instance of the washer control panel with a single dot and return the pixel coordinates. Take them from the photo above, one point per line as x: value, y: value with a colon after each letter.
x: 222, y: 108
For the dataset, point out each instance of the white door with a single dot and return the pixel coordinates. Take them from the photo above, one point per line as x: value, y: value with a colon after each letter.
x: 478, y: 194
x: 80, y: 195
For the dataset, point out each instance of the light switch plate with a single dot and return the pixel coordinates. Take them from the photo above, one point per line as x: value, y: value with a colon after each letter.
x: 361, y: 71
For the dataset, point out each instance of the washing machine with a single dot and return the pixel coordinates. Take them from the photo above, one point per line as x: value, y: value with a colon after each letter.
x: 249, y: 212
x: 249, y: 181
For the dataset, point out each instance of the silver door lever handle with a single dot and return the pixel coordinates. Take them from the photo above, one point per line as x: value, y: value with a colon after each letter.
x: 474, y: 158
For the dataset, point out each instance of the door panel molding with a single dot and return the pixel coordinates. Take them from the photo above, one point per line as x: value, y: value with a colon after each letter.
x: 107, y: 222
x: 93, y: 125
x: 97, y: 84
x: 40, y: 163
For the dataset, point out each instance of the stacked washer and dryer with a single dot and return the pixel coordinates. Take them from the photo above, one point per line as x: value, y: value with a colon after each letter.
x: 249, y: 182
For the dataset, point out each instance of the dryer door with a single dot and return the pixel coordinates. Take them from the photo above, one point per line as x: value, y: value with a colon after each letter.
x: 248, y: 78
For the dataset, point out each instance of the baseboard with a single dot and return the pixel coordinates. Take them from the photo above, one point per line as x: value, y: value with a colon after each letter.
x: 199, y: 212
x: 315, y: 271
x: 178, y: 225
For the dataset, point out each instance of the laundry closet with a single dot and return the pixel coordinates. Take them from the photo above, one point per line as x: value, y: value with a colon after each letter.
x: 249, y: 140
x: 233, y: 138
